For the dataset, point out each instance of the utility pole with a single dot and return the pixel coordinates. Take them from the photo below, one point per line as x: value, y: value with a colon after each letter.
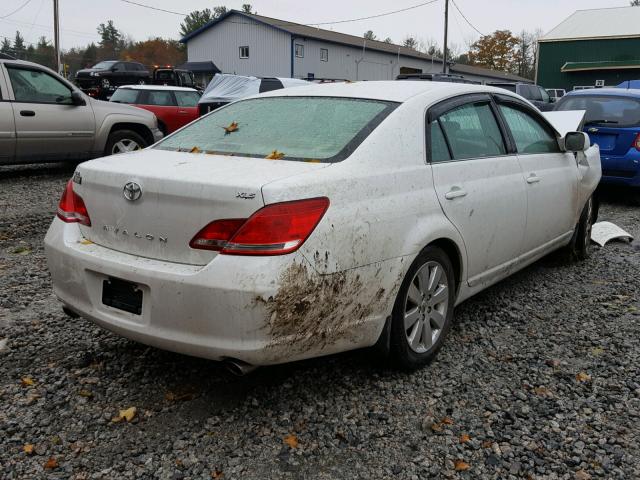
x: 56, y: 35
x: 445, y: 55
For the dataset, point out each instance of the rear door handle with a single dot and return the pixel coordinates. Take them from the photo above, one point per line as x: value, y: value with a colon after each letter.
x: 27, y: 113
x: 455, y: 192
x: 533, y: 178
x: 183, y: 111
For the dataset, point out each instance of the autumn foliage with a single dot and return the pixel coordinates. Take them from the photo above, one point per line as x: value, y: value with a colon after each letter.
x: 498, y: 51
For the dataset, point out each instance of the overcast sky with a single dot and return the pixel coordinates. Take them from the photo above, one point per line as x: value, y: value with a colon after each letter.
x: 79, y: 18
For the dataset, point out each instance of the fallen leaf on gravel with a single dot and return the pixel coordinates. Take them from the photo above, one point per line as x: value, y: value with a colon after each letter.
x: 85, y: 393
x: 461, y: 465
x: 291, y: 440
x: 583, y: 377
x: 582, y: 475
x: 464, y: 438
x: 21, y: 250
x: 542, y: 391
x: 436, y: 427
x: 182, y: 395
x: 487, y: 444
x: 51, y: 463
x: 447, y: 421
x: 217, y: 474
x: 27, y: 382
x: 28, y: 449
x: 127, y: 415
x: 597, y: 351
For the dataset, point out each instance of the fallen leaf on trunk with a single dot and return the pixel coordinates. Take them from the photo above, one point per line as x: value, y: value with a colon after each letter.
x: 275, y: 155
x: 51, y: 463
x: 461, y: 465
x: 291, y: 440
x: 28, y: 449
x: 128, y: 415
x: 583, y: 377
x: 27, y: 382
x: 464, y: 438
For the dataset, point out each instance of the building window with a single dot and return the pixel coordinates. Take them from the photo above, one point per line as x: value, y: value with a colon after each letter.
x: 299, y: 50
x: 324, y: 55
x: 244, y: 52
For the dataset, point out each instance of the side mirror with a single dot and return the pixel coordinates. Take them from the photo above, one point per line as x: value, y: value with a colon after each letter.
x: 77, y: 99
x: 576, y: 142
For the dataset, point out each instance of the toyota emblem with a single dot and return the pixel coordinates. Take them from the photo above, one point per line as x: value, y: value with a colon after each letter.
x: 132, y: 191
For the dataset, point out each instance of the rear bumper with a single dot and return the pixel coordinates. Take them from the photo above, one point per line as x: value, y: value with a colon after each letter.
x: 222, y: 310
x: 621, y: 170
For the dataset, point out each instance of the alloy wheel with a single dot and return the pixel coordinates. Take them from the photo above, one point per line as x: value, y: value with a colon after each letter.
x: 125, y: 145
x: 426, y: 306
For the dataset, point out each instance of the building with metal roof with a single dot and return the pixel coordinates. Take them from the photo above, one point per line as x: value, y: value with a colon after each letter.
x: 247, y: 44
x: 591, y: 48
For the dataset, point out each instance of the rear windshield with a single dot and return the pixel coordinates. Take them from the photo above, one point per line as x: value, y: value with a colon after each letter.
x: 604, y: 110
x: 124, y: 95
x: 325, y: 129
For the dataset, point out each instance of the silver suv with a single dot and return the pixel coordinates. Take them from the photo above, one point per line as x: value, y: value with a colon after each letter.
x: 45, y: 118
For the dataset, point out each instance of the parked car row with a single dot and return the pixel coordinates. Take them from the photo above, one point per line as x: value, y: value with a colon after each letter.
x: 101, y: 80
x: 312, y: 220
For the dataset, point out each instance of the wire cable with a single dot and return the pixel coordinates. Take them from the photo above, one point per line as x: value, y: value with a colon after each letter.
x: 466, y: 19
x: 17, y: 9
x: 306, y: 24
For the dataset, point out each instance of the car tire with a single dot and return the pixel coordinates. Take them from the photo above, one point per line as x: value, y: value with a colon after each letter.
x: 123, y: 141
x: 580, y: 246
x: 423, y: 310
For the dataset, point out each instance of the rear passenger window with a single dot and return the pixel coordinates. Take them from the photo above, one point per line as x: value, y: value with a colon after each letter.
x: 529, y: 134
x: 439, y: 149
x: 160, y: 98
x: 473, y: 132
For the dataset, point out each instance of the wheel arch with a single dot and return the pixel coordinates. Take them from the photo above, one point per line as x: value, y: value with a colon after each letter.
x: 454, y: 253
x: 140, y: 129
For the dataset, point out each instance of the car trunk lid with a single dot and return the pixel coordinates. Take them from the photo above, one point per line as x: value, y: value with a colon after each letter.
x: 180, y: 193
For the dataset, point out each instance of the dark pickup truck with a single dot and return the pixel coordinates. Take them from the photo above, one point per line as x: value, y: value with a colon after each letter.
x: 101, y: 80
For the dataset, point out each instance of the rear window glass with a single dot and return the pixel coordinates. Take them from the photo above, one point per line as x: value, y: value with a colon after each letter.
x: 187, y: 99
x: 604, y: 110
x: 507, y: 86
x: 159, y: 98
x: 124, y: 95
x: 292, y: 128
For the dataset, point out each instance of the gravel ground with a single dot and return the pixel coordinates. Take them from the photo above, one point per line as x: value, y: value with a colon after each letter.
x: 538, y: 380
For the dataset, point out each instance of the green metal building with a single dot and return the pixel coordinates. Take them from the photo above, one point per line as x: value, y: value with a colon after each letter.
x: 591, y: 48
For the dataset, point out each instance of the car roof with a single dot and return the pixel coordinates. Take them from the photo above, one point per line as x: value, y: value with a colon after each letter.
x: 392, y: 91
x: 158, y: 87
x: 618, y: 92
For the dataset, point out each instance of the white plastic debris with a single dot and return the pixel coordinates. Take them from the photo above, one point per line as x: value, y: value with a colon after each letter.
x: 603, y: 232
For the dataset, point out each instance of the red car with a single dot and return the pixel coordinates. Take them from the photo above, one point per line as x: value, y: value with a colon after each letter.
x: 174, y: 106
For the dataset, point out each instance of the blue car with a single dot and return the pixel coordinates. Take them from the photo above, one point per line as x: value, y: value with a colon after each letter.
x: 613, y: 122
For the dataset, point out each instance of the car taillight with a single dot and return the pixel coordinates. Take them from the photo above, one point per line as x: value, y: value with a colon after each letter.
x: 71, y: 208
x: 636, y: 142
x: 276, y: 229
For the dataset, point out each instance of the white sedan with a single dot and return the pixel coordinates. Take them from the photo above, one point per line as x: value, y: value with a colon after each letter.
x: 320, y: 219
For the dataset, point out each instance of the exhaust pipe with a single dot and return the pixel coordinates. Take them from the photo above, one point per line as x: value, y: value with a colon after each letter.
x: 238, y: 367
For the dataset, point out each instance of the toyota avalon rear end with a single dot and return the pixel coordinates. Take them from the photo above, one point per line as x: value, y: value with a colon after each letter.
x: 190, y: 245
